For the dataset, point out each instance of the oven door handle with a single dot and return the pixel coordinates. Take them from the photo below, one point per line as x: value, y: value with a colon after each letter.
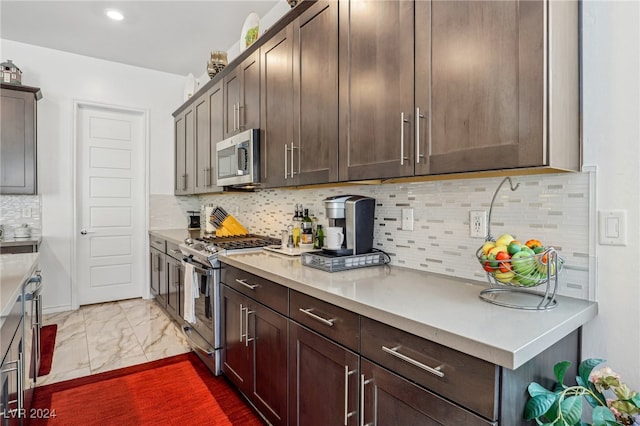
x: 199, y: 269
x: 186, y: 332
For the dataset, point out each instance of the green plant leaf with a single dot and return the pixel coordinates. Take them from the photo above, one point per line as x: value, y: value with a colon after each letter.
x: 538, y: 405
x: 586, y: 366
x: 537, y: 389
x: 571, y: 409
x: 602, y: 416
x: 636, y: 399
x: 560, y: 370
x: 590, y: 399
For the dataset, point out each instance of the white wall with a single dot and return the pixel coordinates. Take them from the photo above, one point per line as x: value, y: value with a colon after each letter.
x: 63, y: 78
x: 611, y: 114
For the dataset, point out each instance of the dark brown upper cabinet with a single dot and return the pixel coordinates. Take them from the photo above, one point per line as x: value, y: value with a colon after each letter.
x: 184, y: 151
x: 18, y: 168
x: 469, y: 86
x: 242, y: 96
x: 299, y: 102
x: 376, y: 89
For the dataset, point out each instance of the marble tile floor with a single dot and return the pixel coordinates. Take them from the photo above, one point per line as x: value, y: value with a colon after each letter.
x: 107, y: 336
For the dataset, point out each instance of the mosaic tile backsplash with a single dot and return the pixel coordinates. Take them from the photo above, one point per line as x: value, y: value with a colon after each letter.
x: 550, y: 208
x: 16, y: 210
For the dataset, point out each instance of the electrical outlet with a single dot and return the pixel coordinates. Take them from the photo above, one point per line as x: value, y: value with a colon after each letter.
x: 407, y: 219
x: 478, y: 223
x: 26, y: 212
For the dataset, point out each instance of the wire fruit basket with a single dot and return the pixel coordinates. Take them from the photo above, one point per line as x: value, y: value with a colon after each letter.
x: 513, y: 269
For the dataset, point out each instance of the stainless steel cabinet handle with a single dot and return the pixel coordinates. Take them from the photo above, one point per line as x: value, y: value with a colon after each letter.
x: 402, y: 121
x: 418, y: 117
x: 286, y: 150
x: 247, y: 285
x: 206, y: 176
x: 83, y: 231
x: 174, y: 251
x: 433, y: 370
x: 347, y: 414
x: 309, y: 312
x: 241, y: 318
x: 292, y: 170
x: 246, y: 326
x: 184, y: 182
x: 240, y: 124
x: 158, y: 242
x: 234, y: 117
x: 363, y: 383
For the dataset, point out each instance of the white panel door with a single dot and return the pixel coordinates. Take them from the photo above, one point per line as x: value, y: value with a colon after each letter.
x: 110, y: 202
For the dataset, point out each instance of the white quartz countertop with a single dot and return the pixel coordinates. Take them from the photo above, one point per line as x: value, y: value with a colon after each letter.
x: 176, y: 236
x: 442, y: 309
x: 15, y: 269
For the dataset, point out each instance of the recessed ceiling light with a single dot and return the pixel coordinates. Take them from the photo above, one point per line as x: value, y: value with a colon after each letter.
x: 114, y: 14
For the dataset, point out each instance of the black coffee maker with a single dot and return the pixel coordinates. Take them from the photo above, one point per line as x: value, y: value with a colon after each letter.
x: 355, y: 214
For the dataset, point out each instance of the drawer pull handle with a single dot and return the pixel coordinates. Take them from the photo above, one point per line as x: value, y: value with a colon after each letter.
x: 394, y: 351
x: 309, y: 312
x: 247, y: 285
x: 174, y: 251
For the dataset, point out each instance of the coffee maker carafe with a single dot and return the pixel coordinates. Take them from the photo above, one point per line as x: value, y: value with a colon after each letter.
x: 355, y: 215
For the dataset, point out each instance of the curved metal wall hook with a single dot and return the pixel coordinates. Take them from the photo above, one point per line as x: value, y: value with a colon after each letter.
x: 513, y: 188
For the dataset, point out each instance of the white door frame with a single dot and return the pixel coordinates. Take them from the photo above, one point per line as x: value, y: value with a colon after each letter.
x: 144, y: 112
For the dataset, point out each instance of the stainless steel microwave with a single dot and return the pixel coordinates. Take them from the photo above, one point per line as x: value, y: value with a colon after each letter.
x: 238, y: 160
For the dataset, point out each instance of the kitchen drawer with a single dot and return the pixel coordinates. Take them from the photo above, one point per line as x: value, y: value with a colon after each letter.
x: 174, y: 251
x: 329, y: 320
x: 262, y: 290
x: 466, y: 380
x: 157, y: 243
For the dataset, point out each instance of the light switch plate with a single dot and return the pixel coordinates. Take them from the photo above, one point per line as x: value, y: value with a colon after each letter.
x: 407, y: 219
x: 612, y: 227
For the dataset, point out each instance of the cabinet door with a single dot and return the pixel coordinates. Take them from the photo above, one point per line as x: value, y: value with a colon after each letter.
x: 202, y: 142
x: 216, y: 129
x: 249, y: 109
x: 242, y: 96
x: 269, y: 339
x: 174, y: 285
x: 154, y: 273
x: 17, y: 142
x: 323, y: 380
x: 315, y: 77
x: 276, y: 139
x: 237, y: 353
x: 184, y: 145
x: 231, y: 88
x: 376, y: 89
x: 487, y: 69
x: 389, y: 399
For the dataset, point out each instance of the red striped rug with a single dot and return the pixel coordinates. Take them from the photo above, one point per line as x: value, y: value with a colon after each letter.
x: 174, y: 391
x: 47, y: 343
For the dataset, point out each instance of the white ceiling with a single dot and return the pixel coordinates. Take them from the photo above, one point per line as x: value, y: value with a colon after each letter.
x: 171, y: 36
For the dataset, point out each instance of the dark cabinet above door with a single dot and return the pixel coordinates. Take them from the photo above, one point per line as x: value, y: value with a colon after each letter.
x: 300, y: 100
x: 18, y: 166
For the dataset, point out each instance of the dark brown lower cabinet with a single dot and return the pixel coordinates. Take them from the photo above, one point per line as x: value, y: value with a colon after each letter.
x: 255, y: 353
x: 323, y: 379
x: 388, y: 399
x: 175, y: 278
x: 158, y: 283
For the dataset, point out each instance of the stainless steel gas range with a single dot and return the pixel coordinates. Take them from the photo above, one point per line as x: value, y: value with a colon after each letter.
x: 202, y: 329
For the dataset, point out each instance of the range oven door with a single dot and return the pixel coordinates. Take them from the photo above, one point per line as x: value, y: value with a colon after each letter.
x: 203, y: 335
